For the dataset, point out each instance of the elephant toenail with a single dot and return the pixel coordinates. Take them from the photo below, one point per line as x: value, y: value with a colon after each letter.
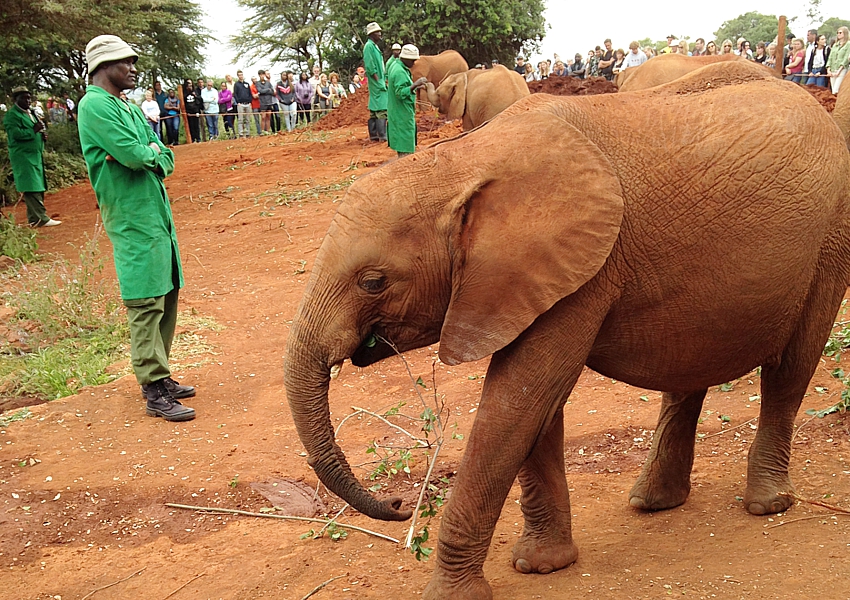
x: 545, y: 569
x: 756, y: 508
x: 522, y: 566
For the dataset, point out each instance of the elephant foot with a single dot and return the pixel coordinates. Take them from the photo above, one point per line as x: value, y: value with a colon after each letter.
x: 533, y: 554
x: 646, y: 495
x: 443, y: 587
x: 766, y: 500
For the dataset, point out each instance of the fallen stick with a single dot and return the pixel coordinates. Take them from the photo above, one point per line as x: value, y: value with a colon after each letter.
x: 231, y: 215
x: 728, y: 430
x: 234, y: 511
x: 321, y: 585
x: 357, y: 410
x: 93, y: 592
x: 806, y: 519
x: 832, y: 507
x: 184, y: 585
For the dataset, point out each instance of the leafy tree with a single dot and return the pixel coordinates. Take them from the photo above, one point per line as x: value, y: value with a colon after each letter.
x: 481, y: 30
x: 831, y: 25
x: 288, y: 31
x: 659, y: 45
x: 44, y: 40
x: 752, y: 26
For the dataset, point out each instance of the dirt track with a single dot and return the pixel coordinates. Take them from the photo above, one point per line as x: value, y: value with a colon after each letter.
x: 92, y: 512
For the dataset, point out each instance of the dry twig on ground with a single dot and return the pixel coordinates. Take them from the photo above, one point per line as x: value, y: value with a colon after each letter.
x: 103, y: 587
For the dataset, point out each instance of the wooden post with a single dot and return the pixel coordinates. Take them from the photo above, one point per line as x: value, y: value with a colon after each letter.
x: 780, y: 47
x: 183, y: 116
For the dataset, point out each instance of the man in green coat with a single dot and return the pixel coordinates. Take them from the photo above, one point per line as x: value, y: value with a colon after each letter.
x: 373, y: 61
x: 401, y: 105
x: 26, y: 134
x: 393, y: 58
x: 127, y: 165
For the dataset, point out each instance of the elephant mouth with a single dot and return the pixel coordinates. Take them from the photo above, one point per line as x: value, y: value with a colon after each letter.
x: 372, y: 349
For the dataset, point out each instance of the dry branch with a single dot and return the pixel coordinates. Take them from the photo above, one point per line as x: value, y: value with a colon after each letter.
x: 109, y: 585
x: 233, y: 511
x: 321, y: 585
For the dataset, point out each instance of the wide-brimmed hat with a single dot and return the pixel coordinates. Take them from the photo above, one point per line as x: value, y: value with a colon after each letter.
x: 372, y: 28
x: 396, y: 46
x: 410, y: 52
x: 21, y: 89
x: 107, y: 48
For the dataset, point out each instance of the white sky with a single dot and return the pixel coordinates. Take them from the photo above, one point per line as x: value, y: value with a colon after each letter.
x: 573, y: 26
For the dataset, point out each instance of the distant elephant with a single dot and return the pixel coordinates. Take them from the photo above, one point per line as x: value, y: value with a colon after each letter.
x: 666, y: 68
x: 476, y: 96
x: 435, y: 68
x: 674, y: 272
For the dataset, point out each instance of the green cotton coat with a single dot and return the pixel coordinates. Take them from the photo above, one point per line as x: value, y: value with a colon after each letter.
x: 373, y: 62
x: 390, y: 61
x: 26, y: 149
x: 130, y: 193
x: 401, y: 106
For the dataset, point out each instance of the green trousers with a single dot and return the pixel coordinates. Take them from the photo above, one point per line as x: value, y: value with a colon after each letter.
x: 377, y: 114
x: 36, y: 213
x: 152, y: 324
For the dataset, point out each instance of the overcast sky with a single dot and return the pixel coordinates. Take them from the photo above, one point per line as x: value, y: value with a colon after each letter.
x: 572, y: 27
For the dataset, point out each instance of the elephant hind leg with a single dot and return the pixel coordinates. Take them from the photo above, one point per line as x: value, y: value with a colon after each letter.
x: 547, y: 541
x: 665, y: 481
x: 783, y: 385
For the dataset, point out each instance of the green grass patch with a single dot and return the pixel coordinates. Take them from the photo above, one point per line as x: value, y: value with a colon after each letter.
x: 17, y: 242
x: 65, y: 328
x: 11, y: 417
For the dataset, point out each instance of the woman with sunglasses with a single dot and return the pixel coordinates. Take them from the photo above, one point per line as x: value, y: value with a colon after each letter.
x: 711, y: 49
x: 726, y: 47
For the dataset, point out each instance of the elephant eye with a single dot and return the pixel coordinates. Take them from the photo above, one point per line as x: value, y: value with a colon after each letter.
x: 373, y: 283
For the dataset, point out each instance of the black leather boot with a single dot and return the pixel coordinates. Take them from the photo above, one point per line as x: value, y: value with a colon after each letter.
x: 381, y: 129
x: 177, y: 391
x: 160, y: 403
x: 373, y: 131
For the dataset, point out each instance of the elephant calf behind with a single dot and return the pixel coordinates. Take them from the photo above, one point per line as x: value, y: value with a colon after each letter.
x: 476, y: 96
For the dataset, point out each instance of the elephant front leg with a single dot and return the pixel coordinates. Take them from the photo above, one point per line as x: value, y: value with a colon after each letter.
x: 519, y: 424
x: 665, y: 481
x: 547, y: 540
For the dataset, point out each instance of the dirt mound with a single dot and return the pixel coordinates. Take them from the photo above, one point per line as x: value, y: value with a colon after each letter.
x: 571, y: 86
x: 353, y: 110
x: 442, y: 130
x: 822, y: 95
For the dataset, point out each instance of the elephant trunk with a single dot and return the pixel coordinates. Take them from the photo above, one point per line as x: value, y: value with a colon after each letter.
x: 433, y: 98
x: 307, y: 378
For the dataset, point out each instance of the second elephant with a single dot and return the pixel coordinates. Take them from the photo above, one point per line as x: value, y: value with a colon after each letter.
x: 477, y: 96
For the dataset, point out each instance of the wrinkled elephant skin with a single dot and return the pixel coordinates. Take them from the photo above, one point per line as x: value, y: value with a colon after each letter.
x: 551, y: 239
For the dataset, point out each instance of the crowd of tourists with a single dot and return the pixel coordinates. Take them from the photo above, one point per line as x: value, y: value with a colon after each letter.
x: 821, y: 59
x: 241, y: 107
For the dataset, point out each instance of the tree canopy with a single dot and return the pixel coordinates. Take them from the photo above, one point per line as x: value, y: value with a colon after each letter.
x: 288, y: 31
x: 44, y: 40
x: 830, y: 27
x: 752, y: 26
x: 481, y: 30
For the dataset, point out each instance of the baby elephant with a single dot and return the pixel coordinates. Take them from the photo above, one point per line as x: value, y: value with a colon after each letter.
x: 476, y: 96
x: 674, y: 270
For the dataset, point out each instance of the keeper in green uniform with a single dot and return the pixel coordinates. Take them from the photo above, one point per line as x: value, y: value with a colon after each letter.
x: 401, y: 105
x: 127, y: 164
x: 373, y: 61
x: 26, y: 134
x: 393, y: 58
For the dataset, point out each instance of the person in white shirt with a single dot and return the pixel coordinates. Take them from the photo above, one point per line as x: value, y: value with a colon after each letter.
x: 634, y: 58
x: 811, y: 44
x: 210, y: 97
x: 151, y: 110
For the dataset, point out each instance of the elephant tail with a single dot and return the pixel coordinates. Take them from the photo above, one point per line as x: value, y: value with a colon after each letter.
x: 841, y: 113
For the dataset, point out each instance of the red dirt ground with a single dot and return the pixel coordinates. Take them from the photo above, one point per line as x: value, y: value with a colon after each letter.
x: 92, y: 512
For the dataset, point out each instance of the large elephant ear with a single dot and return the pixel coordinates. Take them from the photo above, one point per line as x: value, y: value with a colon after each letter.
x: 457, y: 93
x: 537, y: 224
